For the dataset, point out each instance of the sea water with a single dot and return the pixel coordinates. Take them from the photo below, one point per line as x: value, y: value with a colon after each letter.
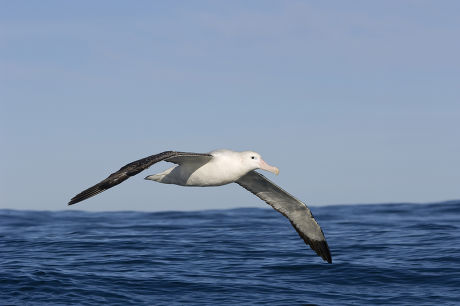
x: 402, y: 254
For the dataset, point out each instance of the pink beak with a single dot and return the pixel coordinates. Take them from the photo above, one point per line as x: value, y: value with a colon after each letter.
x: 267, y: 167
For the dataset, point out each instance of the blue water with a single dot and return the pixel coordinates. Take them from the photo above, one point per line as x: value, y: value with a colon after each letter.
x: 382, y: 254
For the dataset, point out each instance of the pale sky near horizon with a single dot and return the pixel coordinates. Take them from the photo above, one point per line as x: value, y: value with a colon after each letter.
x: 354, y: 101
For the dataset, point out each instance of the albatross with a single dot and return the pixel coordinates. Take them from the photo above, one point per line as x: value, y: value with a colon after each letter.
x: 218, y: 168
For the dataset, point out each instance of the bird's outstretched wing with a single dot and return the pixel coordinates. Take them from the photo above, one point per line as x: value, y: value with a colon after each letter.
x: 296, y: 211
x: 134, y: 168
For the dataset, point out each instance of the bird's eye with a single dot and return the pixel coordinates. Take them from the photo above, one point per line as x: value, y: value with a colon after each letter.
x: 253, y: 157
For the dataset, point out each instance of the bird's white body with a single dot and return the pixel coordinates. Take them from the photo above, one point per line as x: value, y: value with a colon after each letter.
x: 225, y: 167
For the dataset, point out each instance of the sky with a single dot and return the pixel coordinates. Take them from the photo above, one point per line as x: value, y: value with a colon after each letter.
x: 354, y: 101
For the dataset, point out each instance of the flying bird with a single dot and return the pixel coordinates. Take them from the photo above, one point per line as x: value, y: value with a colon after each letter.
x: 218, y: 168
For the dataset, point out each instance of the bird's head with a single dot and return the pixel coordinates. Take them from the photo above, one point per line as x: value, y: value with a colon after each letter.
x: 254, y: 161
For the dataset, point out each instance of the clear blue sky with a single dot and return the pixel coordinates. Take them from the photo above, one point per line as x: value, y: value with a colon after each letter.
x: 354, y: 101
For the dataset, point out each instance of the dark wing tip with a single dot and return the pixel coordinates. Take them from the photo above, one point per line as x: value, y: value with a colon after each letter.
x: 319, y: 246
x: 88, y: 193
x: 322, y: 249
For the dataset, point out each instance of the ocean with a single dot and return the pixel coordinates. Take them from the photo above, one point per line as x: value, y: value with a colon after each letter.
x: 390, y: 254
